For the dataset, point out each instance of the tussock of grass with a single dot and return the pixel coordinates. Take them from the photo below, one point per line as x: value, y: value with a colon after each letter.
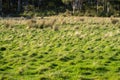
x: 114, y: 21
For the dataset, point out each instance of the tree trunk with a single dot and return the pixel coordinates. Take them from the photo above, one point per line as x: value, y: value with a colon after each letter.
x: 73, y: 7
x: 97, y: 6
x: 108, y: 7
x: 27, y: 3
x: 19, y: 5
x: 80, y: 4
x: 0, y: 5
x: 105, y: 6
x: 39, y: 3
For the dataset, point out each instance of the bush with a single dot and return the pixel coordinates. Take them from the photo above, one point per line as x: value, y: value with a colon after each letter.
x: 29, y: 11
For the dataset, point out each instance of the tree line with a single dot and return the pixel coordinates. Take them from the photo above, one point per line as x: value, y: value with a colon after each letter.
x: 54, y: 7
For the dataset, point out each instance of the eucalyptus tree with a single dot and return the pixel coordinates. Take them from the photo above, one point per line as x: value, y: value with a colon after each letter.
x: 98, y: 2
x: 106, y: 6
x: 76, y: 4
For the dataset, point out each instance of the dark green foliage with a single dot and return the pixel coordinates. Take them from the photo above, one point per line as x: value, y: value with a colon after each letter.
x: 44, y: 78
x: 32, y: 8
x: 2, y: 49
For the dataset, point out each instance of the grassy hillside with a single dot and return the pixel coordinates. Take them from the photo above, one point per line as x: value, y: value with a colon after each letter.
x: 60, y: 49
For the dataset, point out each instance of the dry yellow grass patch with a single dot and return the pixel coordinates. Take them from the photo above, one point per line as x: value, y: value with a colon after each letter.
x: 59, y: 20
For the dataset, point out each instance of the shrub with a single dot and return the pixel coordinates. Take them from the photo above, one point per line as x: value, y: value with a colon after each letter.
x: 29, y: 11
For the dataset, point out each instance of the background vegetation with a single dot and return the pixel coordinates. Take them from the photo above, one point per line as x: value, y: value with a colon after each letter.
x: 63, y: 7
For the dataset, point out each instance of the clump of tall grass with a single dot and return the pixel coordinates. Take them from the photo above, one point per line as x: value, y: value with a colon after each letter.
x: 41, y: 24
x: 51, y: 23
x: 76, y: 27
x: 109, y: 34
x: 80, y: 35
x: 61, y: 21
x: 31, y: 24
x: 82, y: 19
x: 8, y: 24
x: 114, y: 21
x: 55, y: 27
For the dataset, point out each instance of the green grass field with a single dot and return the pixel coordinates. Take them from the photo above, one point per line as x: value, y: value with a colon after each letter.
x: 77, y: 50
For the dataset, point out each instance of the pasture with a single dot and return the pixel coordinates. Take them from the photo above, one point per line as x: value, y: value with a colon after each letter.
x: 60, y: 48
